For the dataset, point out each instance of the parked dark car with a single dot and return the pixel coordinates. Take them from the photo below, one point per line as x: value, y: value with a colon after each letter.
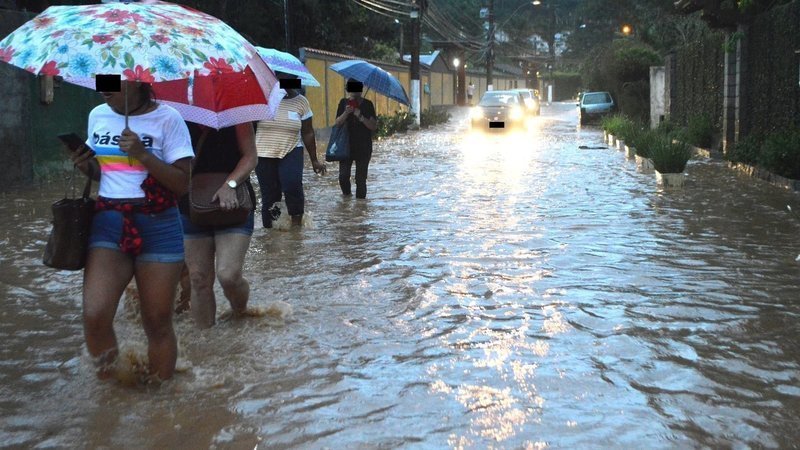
x: 532, y: 105
x: 594, y: 105
x: 499, y: 110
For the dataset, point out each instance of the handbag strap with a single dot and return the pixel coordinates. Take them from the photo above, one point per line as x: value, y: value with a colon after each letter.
x: 88, y: 187
x: 200, y: 142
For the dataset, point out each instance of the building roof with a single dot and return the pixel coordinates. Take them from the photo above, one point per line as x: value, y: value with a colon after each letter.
x: 509, y: 69
x: 342, y: 56
x: 425, y: 60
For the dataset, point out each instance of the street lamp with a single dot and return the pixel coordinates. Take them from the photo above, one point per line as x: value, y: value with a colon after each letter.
x: 456, y: 63
x: 536, y: 2
x: 627, y: 29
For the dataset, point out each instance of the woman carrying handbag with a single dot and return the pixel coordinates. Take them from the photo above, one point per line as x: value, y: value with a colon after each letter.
x: 215, y: 250
x: 136, y: 229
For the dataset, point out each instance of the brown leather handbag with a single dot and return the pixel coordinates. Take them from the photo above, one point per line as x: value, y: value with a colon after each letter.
x: 69, y: 239
x: 204, y: 212
x: 203, y: 186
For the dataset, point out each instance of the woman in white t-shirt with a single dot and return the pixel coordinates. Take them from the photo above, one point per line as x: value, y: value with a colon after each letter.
x: 279, y: 143
x: 136, y: 230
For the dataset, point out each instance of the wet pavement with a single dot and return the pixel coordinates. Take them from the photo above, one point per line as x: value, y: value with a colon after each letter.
x: 491, y: 292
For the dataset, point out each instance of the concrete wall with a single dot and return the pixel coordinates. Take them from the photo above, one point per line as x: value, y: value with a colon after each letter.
x: 437, y: 87
x: 657, y: 95
x: 15, y: 152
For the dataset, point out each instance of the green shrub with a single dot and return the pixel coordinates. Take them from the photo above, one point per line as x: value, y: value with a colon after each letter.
x: 628, y: 130
x: 644, y: 141
x: 781, y: 154
x: 667, y: 127
x: 746, y: 150
x: 613, y: 123
x: 432, y: 116
x: 699, y: 131
x: 396, y: 123
x: 668, y: 156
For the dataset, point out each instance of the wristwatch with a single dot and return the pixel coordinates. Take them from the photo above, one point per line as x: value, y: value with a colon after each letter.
x: 232, y: 184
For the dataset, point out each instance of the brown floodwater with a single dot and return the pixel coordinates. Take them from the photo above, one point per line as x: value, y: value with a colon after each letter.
x: 492, y: 292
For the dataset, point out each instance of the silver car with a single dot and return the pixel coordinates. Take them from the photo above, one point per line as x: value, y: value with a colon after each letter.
x: 498, y: 111
x: 531, y: 101
x: 594, y: 105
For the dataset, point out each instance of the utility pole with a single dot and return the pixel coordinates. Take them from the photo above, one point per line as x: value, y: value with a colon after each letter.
x: 401, y: 25
x: 461, y: 79
x: 416, y: 14
x: 490, y: 52
x: 286, y: 25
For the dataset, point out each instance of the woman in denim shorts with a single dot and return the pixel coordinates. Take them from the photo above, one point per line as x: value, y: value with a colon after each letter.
x: 136, y: 231
x: 218, y: 252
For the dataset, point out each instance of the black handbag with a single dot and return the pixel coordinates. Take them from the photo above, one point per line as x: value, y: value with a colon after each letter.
x: 69, y: 238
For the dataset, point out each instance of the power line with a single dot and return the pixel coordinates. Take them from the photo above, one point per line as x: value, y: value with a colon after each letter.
x: 378, y: 4
x: 366, y: 5
x: 444, y: 28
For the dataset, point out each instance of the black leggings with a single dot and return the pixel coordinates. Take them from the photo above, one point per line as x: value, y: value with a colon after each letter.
x: 362, y: 165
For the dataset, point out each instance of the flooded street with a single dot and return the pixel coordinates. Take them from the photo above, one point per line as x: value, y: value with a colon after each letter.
x: 492, y: 292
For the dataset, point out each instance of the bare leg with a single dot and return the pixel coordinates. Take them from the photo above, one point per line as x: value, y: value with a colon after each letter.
x: 185, y: 292
x: 157, y: 283
x: 231, y: 250
x: 104, y: 279
x: 200, y: 262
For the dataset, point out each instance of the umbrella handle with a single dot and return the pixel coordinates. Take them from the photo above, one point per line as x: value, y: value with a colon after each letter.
x: 130, y: 161
x: 126, y: 105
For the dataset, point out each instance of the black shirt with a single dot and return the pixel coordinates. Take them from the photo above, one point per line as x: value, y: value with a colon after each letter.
x: 219, y: 153
x: 360, y: 135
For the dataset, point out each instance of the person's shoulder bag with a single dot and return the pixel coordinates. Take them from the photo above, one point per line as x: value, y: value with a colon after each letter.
x: 338, y: 144
x: 68, y: 243
x: 202, y: 187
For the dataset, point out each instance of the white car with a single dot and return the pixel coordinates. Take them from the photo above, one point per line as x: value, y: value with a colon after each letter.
x: 531, y: 100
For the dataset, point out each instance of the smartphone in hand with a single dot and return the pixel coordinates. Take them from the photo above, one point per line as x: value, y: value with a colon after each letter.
x: 71, y: 140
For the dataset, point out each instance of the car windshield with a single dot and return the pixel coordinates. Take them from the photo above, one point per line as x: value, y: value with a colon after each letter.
x: 498, y: 99
x: 595, y: 98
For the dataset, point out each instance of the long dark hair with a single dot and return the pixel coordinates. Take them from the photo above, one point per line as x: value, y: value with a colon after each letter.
x: 146, y: 92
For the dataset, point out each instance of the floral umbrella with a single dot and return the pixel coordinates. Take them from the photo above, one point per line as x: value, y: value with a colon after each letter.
x: 195, y: 62
x: 287, y: 63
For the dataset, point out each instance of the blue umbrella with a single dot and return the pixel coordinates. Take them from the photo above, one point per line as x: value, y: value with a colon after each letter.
x: 287, y: 63
x: 373, y: 77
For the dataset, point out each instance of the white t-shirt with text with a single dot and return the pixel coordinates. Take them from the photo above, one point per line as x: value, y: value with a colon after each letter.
x: 163, y: 133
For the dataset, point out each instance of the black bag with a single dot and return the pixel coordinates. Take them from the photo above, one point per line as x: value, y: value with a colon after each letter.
x: 338, y: 145
x: 69, y: 239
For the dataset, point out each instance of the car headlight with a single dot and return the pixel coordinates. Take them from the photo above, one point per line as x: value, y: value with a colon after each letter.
x: 476, y: 113
x: 515, y: 113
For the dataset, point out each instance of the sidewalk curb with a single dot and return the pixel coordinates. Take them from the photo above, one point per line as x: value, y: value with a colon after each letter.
x: 766, y: 175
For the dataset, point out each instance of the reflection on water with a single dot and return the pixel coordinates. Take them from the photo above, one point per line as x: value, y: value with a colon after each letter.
x: 493, y: 291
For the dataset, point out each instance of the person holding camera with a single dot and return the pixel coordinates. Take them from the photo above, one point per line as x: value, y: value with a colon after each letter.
x: 136, y: 230
x: 358, y: 114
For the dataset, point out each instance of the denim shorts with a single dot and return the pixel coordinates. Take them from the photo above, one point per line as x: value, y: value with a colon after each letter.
x: 192, y: 231
x: 161, y: 233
